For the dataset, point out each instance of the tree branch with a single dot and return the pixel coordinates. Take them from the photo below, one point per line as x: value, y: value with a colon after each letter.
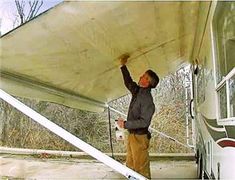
x: 39, y: 7
x: 34, y: 7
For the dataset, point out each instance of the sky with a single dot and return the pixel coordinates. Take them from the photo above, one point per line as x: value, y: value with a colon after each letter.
x: 8, y: 12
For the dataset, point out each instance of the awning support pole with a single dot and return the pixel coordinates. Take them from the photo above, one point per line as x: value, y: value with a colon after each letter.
x: 127, y: 172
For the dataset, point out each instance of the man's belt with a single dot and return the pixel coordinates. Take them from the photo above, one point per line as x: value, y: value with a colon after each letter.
x: 139, y: 131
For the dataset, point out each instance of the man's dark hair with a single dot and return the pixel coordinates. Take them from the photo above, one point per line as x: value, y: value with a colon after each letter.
x: 154, y: 78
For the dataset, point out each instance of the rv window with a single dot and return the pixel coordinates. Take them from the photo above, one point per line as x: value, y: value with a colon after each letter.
x: 232, y: 96
x: 223, y: 24
x: 222, y: 102
x: 230, y: 51
x: 224, y: 33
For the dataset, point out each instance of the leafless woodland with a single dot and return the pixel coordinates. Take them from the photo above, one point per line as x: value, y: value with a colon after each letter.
x: 17, y: 130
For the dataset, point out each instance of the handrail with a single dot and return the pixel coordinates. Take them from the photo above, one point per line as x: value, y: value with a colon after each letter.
x: 152, y: 129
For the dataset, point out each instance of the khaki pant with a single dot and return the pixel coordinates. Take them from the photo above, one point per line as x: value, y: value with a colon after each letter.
x: 137, y: 154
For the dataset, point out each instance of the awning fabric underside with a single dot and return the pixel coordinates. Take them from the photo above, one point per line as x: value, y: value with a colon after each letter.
x: 69, y: 54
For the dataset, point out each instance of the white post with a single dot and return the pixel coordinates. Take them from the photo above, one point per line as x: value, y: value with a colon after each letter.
x: 127, y: 172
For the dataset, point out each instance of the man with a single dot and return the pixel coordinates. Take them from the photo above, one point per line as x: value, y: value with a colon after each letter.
x: 139, y: 117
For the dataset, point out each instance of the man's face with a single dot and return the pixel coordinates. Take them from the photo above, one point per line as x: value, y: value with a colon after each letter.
x: 144, y: 80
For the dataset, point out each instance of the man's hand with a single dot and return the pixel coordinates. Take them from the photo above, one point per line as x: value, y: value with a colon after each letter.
x: 123, y: 59
x: 120, y: 122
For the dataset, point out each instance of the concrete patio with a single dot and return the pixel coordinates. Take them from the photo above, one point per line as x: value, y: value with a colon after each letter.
x: 28, y: 167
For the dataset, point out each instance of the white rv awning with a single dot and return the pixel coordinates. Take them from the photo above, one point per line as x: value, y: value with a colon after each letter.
x: 69, y: 54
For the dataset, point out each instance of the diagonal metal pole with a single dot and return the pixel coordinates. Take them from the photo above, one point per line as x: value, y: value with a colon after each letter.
x: 127, y: 172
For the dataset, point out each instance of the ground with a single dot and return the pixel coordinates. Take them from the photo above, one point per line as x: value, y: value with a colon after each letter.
x: 27, y: 167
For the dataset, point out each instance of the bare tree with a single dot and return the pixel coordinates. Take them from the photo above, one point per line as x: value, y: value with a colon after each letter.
x: 24, y: 12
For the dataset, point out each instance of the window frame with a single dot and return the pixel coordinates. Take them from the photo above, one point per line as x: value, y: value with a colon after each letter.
x: 224, y: 82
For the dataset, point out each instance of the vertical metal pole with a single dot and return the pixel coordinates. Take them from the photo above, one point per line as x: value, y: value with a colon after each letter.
x: 213, y: 47
x: 192, y: 92
x: 228, y: 98
x: 110, y: 132
x: 187, y: 114
x: 2, y: 125
x: 193, y: 104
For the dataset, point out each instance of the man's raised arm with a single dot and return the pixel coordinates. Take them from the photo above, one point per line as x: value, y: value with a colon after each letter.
x: 129, y: 83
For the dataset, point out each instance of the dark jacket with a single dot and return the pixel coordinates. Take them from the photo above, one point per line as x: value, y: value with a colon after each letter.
x: 141, y: 107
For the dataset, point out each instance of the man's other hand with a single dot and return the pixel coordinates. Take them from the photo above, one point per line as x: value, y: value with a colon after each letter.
x: 123, y: 59
x: 120, y: 122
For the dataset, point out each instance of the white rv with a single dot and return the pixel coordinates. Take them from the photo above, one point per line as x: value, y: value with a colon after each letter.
x: 214, y: 94
x: 69, y: 54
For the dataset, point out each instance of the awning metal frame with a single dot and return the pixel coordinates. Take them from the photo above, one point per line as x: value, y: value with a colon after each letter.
x: 50, y: 89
